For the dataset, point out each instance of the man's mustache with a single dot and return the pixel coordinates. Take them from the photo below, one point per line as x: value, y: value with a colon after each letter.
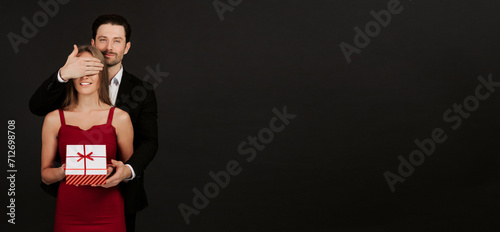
x: 112, y: 53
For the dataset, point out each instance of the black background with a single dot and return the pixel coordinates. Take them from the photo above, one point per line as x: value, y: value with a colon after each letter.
x: 324, y: 171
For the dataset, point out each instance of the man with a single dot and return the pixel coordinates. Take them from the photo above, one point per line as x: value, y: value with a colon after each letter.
x: 111, y: 35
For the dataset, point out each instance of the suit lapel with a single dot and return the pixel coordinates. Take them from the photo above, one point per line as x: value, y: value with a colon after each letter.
x: 124, y: 89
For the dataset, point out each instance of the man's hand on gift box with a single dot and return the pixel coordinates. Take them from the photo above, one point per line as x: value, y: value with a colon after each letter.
x: 121, y: 172
x: 111, y: 170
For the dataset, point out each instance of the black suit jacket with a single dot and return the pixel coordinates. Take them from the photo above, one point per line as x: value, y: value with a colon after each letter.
x: 138, y: 99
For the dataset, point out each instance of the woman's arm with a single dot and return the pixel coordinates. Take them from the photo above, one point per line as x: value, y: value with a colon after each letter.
x: 50, y: 129
x: 124, y: 134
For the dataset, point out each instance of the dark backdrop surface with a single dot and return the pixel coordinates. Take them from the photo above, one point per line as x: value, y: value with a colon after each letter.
x: 325, y: 170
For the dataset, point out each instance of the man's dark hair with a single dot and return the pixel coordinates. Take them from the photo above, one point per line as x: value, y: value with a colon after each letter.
x: 112, y: 19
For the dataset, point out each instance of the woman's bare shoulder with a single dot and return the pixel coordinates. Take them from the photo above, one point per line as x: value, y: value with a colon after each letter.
x: 52, y: 119
x: 52, y: 116
x: 120, y: 116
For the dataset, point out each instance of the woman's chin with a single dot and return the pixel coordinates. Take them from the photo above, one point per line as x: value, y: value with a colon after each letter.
x: 86, y: 91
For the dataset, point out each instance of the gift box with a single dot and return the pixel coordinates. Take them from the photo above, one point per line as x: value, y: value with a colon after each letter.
x: 86, y: 164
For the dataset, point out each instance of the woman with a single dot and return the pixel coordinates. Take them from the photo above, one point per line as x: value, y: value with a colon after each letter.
x: 86, y: 118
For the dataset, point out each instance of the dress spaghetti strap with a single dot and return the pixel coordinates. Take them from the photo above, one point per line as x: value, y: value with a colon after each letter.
x: 110, y: 115
x: 61, y: 116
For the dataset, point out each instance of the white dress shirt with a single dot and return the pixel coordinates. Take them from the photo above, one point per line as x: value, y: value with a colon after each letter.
x: 114, y: 85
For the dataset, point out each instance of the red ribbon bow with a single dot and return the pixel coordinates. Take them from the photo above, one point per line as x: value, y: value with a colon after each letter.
x: 85, y: 156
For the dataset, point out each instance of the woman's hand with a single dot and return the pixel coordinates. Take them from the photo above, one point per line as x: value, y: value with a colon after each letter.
x: 62, y: 172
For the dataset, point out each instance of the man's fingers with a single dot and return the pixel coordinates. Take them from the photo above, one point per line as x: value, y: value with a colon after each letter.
x: 74, y: 52
x: 91, y: 59
x: 92, y: 63
x: 90, y: 73
x: 115, y: 179
x: 110, y: 170
x: 92, y: 68
x: 111, y: 182
x: 95, y: 59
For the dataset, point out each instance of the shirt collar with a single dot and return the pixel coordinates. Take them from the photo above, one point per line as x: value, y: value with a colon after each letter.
x: 118, y: 77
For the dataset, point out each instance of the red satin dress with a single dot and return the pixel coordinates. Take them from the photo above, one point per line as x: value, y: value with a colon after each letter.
x: 86, y: 208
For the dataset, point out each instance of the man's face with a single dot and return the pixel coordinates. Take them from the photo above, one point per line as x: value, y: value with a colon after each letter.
x: 110, y: 40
